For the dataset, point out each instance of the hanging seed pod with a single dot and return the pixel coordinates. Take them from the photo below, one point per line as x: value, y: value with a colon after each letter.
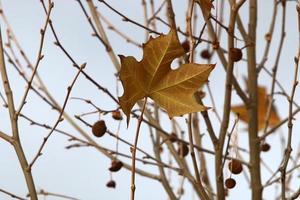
x: 117, y: 115
x: 236, y: 54
x: 172, y: 137
x: 186, y: 46
x: 235, y: 166
x: 99, y: 128
x: 230, y: 183
x: 265, y: 147
x: 205, y: 54
x: 116, y: 165
x: 111, y: 184
x: 183, y: 149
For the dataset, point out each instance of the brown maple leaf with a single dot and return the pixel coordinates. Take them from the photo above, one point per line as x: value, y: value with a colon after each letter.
x: 262, y: 109
x: 153, y: 77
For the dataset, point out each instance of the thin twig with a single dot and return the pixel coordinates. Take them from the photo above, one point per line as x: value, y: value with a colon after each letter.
x: 59, y: 119
x: 275, y: 68
x: 288, y: 149
x: 227, y: 103
x: 11, y: 194
x: 166, y: 182
x: 203, y: 193
x: 106, y: 152
x: 268, y: 38
x: 229, y: 139
x: 108, y: 48
x: 121, y: 34
x: 38, y: 59
x: 6, y: 137
x: 45, y: 193
x: 126, y: 19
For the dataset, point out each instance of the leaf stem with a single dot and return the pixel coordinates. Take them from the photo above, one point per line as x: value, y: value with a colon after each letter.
x: 133, y: 149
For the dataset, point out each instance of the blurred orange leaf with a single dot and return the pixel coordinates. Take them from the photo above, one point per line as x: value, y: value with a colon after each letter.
x: 153, y: 77
x: 274, y: 119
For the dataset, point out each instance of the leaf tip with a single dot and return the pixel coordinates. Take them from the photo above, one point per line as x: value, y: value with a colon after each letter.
x: 124, y: 109
x: 121, y: 56
x: 127, y: 121
x: 213, y: 65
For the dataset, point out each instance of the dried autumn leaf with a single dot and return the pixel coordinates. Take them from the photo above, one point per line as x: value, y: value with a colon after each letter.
x: 262, y: 108
x: 153, y: 77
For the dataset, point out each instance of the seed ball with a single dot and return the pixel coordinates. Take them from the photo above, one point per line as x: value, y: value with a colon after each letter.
x: 173, y: 137
x: 183, y: 149
x: 111, y: 184
x: 99, y: 128
x: 205, y: 54
x: 117, y: 115
x: 116, y: 165
x: 236, y: 54
x: 235, y: 166
x: 265, y: 147
x: 186, y: 45
x: 230, y: 183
